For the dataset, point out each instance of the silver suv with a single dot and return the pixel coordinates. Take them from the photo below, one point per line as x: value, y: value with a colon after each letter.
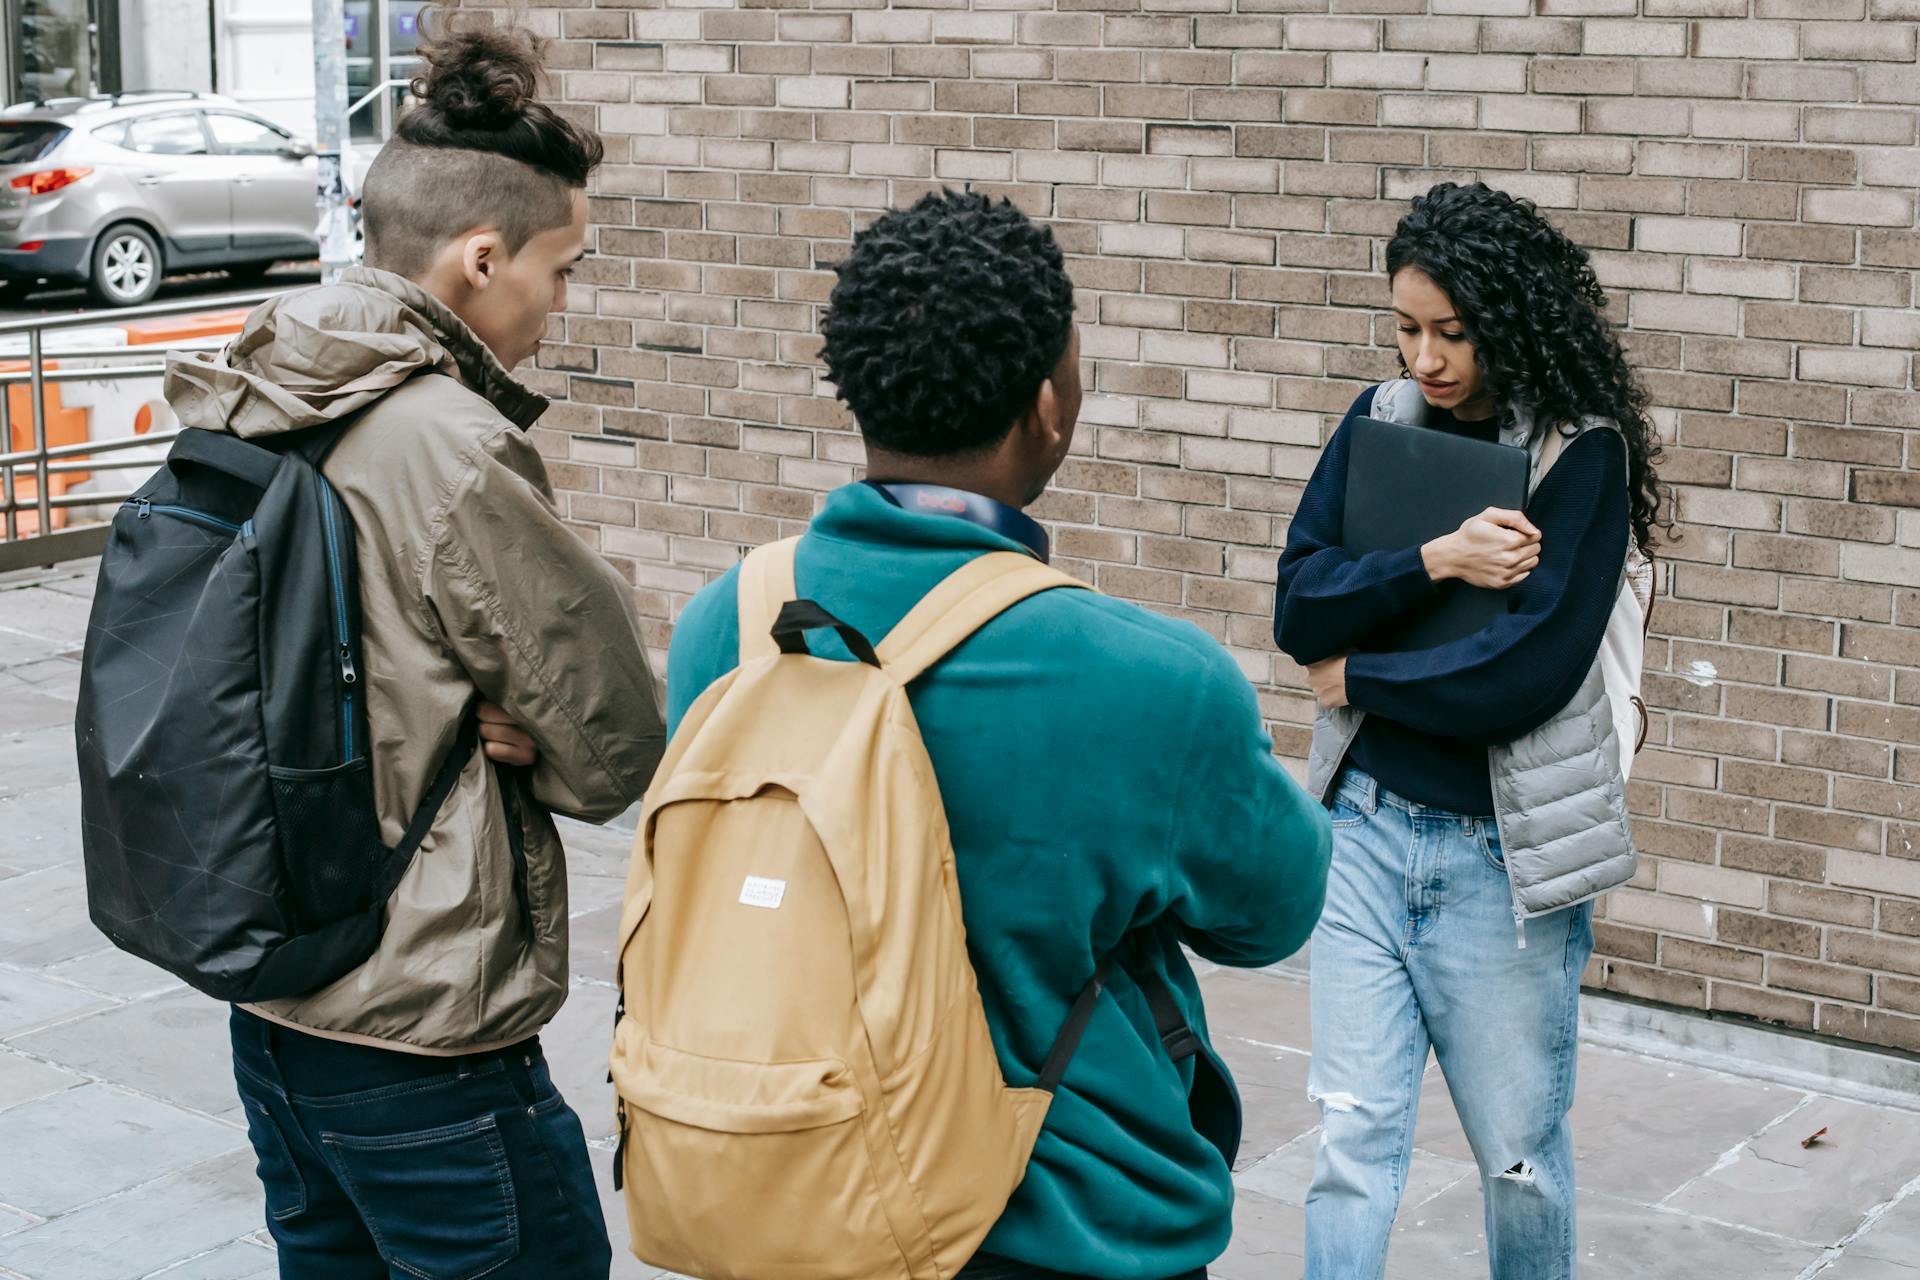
x: 116, y: 192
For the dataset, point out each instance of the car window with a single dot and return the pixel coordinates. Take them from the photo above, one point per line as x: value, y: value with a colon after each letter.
x: 245, y: 136
x: 26, y: 142
x: 114, y: 133
x: 174, y: 135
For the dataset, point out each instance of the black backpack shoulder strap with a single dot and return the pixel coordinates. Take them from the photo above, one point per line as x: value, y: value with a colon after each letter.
x: 316, y: 443
x: 1176, y: 1035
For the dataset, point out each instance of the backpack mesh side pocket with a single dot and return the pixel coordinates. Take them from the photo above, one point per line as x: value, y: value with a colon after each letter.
x: 330, y: 839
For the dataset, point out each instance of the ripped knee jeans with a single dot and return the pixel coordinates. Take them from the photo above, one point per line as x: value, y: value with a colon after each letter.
x: 1416, y: 951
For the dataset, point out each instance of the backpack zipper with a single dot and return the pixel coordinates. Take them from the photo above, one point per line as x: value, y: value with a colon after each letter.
x: 144, y: 508
x: 348, y: 676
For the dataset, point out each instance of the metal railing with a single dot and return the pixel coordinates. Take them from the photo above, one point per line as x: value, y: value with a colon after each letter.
x: 48, y: 546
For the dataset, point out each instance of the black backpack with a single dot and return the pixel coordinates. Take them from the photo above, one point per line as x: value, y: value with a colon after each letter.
x: 226, y: 785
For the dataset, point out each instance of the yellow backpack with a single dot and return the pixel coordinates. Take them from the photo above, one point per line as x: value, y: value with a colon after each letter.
x: 807, y: 1086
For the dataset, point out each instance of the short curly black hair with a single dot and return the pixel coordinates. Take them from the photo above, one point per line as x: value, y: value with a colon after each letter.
x: 1536, y: 315
x: 946, y: 319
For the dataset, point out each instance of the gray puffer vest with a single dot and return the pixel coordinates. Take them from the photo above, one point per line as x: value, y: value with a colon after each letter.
x: 1559, y: 793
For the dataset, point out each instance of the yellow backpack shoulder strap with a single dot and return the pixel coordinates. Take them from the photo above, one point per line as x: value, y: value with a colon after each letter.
x: 766, y: 585
x: 965, y: 601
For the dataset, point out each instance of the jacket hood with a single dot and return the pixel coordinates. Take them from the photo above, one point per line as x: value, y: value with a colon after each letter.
x: 318, y: 355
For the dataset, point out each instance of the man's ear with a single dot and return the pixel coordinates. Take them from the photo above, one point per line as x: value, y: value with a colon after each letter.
x: 1045, y: 414
x: 481, y: 258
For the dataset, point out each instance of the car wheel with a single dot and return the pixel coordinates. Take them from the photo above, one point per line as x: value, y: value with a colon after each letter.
x: 126, y: 267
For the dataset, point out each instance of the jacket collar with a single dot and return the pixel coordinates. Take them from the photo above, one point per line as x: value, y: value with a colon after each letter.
x: 479, y: 368
x: 861, y: 515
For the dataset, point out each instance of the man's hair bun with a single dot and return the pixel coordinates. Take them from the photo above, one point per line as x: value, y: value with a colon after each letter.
x: 479, y: 148
x: 483, y: 78
x: 479, y: 93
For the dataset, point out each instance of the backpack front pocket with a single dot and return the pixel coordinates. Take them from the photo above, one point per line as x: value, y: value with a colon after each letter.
x: 750, y: 1170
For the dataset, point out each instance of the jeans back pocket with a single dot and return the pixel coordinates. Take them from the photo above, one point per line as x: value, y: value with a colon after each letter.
x: 440, y: 1203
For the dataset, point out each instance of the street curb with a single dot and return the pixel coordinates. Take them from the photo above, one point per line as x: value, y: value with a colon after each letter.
x: 1748, y: 1049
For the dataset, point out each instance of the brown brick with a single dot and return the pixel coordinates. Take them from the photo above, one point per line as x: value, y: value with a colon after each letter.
x: 1713, y: 961
x: 1766, y: 933
x: 1766, y: 1006
x: 1868, y: 951
x: 1645, y: 983
x: 1873, y: 1027
x: 1828, y: 906
x: 1898, y: 994
x: 1820, y: 979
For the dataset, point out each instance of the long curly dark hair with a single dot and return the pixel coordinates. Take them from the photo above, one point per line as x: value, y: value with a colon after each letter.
x: 1528, y: 300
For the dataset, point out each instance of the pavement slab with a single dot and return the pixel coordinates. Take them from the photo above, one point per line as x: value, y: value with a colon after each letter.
x: 173, y: 1047
x: 28, y: 1000
x: 1273, y: 1095
x: 1888, y: 1249
x: 24, y: 707
x: 70, y: 1148
x: 1819, y: 1193
x: 45, y: 920
x: 240, y: 1260
x: 1643, y: 1128
x: 1267, y: 1240
x: 114, y: 973
x: 56, y: 619
x: 177, y: 1216
x: 41, y: 828
x: 1287, y: 1174
x: 576, y: 1044
x: 22, y: 1079
x: 1619, y: 1240
x: 31, y: 759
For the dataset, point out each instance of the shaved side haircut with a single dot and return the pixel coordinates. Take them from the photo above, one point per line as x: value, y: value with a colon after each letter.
x: 479, y: 151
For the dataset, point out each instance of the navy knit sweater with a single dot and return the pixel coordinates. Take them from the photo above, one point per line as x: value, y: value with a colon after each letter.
x: 1433, y: 712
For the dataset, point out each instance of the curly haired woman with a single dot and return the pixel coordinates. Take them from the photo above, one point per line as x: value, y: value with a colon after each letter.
x: 1477, y: 790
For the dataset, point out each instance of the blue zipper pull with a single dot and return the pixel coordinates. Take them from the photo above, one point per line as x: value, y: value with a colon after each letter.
x: 347, y: 673
x: 146, y: 508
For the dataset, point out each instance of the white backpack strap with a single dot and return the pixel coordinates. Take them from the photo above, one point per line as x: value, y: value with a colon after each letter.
x: 966, y: 600
x: 766, y: 585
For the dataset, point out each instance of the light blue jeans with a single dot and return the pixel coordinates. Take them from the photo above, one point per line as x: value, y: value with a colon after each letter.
x: 1417, y: 948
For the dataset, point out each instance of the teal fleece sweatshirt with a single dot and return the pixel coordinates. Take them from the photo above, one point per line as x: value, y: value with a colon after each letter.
x: 1104, y: 770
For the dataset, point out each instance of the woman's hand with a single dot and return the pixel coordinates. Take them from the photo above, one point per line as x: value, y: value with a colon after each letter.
x: 1328, y: 677
x: 504, y: 741
x: 1496, y: 549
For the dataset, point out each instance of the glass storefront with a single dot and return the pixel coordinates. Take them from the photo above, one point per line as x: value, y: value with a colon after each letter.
x: 53, y: 50
x: 382, y: 39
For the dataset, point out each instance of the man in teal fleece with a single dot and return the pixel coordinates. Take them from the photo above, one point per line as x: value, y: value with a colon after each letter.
x: 1104, y: 769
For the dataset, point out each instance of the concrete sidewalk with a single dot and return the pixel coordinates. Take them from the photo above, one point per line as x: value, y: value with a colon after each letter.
x: 123, y: 1153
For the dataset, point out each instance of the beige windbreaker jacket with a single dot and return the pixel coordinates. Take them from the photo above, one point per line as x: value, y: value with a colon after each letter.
x: 469, y: 581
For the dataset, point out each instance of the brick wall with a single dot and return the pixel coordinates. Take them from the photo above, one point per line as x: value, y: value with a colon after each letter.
x: 1222, y: 178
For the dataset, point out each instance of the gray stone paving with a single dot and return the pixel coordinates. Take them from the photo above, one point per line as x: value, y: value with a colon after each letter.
x: 123, y: 1156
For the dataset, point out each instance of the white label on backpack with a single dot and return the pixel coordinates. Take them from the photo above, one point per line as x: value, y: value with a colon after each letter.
x: 759, y: 891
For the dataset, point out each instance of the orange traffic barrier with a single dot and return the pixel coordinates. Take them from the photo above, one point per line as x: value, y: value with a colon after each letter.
x: 64, y: 426
x: 67, y: 425
x: 177, y: 329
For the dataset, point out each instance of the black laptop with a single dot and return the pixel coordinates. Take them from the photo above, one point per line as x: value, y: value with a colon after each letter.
x: 1409, y: 485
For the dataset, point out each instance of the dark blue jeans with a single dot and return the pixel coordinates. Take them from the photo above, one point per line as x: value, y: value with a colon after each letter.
x: 392, y: 1166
